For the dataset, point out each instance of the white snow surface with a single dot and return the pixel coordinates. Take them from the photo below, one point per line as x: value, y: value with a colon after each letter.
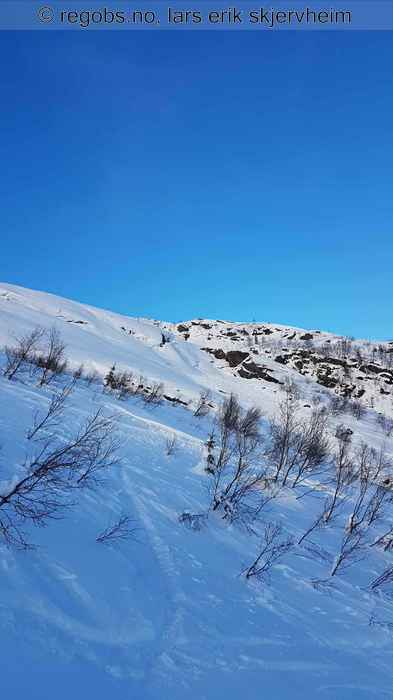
x: 167, y: 616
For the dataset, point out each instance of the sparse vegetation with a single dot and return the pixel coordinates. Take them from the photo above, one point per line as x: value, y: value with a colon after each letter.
x: 51, y: 478
x: 21, y: 355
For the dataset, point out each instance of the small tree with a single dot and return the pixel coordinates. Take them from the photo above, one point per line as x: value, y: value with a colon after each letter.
x: 51, y: 362
x: 110, y: 381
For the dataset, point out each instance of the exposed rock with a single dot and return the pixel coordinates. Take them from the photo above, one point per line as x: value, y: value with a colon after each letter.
x: 328, y: 382
x: 207, y: 326
x: 174, y: 399
x: 236, y: 357
x: 374, y: 369
x: 219, y: 354
x: 282, y: 359
x: 250, y: 370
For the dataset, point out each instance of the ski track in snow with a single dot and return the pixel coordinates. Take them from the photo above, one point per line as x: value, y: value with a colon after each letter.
x: 171, y: 632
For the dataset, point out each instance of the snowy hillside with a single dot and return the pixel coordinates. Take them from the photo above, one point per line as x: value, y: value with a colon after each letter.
x: 167, y: 613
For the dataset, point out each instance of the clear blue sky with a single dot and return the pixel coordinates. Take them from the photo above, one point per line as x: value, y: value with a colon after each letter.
x: 229, y: 175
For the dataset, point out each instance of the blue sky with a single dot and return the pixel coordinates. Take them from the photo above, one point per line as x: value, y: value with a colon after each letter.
x: 227, y: 175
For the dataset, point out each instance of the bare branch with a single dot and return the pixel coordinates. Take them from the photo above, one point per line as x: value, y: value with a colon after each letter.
x: 120, y: 530
x: 273, y: 547
x: 50, y: 419
x: 21, y: 355
x: 171, y: 444
x: 54, y: 474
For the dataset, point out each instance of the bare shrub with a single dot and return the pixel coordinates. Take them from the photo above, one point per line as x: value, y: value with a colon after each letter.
x: 22, y: 354
x: 386, y: 424
x: 237, y: 478
x: 51, y: 362
x: 154, y: 394
x: 291, y: 389
x: 355, y: 482
x: 298, y: 447
x: 343, y: 474
x: 371, y: 496
x: 356, y: 409
x: 120, y: 383
x: 352, y: 550
x: 360, y: 479
x: 92, y: 377
x: 318, y: 523
x: 140, y: 386
x: 273, y: 547
x: 51, y: 418
x: 78, y: 373
x: 126, y: 387
x: 118, y: 531
x: 282, y: 432
x: 338, y: 405
x: 54, y: 475
x: 171, y: 445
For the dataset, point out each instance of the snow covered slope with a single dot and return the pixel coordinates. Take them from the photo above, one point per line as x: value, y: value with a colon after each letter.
x: 167, y: 615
